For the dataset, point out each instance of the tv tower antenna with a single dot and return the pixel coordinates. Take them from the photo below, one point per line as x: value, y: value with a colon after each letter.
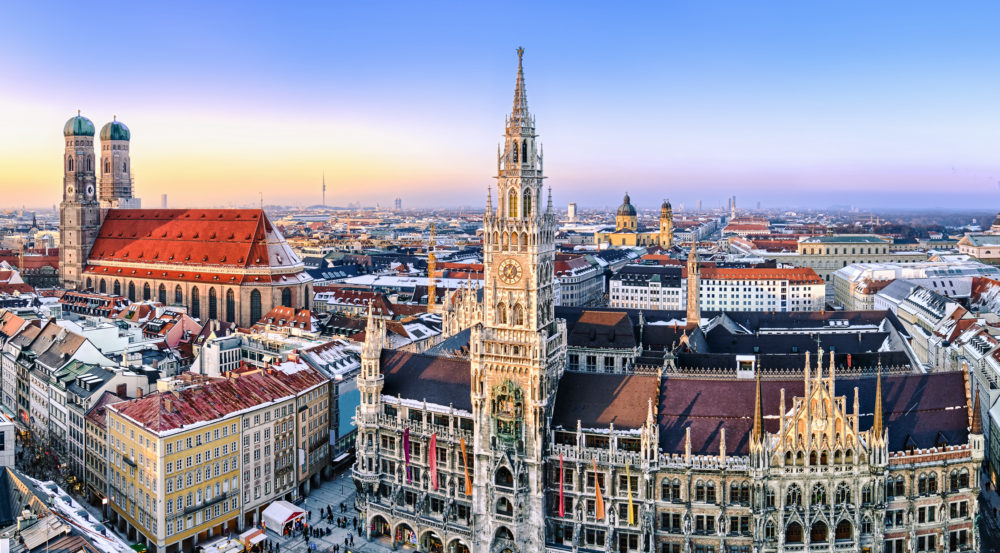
x: 324, y: 188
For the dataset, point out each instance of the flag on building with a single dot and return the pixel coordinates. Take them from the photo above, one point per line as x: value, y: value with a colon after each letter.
x: 628, y: 480
x: 406, y: 452
x: 599, y: 509
x: 562, y: 509
x: 432, y: 460
x: 465, y: 463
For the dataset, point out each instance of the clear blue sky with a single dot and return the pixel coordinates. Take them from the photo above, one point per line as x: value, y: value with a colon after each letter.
x: 790, y: 103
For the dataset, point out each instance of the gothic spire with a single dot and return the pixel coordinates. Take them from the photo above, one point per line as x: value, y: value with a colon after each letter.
x: 519, y: 117
x: 757, y: 433
x: 877, y: 425
x: 977, y: 421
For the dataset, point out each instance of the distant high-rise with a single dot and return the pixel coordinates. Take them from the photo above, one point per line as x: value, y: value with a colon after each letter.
x: 324, y: 189
x: 571, y: 212
x: 163, y: 201
x: 699, y: 205
x: 399, y: 203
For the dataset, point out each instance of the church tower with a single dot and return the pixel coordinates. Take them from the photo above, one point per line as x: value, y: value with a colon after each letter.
x: 79, y: 212
x: 693, y: 286
x: 519, y: 348
x: 666, y: 225
x: 116, y: 167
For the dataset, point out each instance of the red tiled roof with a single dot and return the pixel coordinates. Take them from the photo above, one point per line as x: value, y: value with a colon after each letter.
x: 213, y: 237
x: 287, y: 317
x: 798, y: 275
x: 246, y: 388
x: 20, y: 288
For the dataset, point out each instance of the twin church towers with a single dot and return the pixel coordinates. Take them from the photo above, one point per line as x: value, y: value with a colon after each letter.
x: 85, y: 198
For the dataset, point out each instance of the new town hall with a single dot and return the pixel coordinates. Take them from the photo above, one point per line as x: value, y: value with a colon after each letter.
x: 621, y: 430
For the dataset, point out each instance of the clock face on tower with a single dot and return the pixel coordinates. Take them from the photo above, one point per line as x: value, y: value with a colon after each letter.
x: 90, y: 190
x: 509, y: 271
x: 69, y: 190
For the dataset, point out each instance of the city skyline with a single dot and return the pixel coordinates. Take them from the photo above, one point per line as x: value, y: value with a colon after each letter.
x: 792, y: 106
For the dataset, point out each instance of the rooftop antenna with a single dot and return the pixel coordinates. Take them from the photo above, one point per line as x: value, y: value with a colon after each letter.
x: 324, y: 188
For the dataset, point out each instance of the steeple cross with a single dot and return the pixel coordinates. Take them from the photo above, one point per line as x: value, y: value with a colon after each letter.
x: 520, y: 54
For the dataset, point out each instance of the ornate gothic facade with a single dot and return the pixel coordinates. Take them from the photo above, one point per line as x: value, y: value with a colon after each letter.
x: 519, y: 449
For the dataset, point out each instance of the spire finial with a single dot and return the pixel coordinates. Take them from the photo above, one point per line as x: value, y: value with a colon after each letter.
x: 77, y: 113
x: 520, y: 54
x: 114, y: 117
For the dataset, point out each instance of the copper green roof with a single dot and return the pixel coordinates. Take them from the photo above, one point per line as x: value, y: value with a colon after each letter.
x: 115, y: 130
x: 78, y: 126
x: 627, y: 208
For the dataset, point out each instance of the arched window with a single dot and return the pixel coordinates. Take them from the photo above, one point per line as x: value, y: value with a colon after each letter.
x: 670, y: 490
x: 178, y: 295
x: 230, y: 307
x: 255, y: 313
x: 117, y: 290
x: 963, y: 478
x: 503, y: 477
x: 146, y: 292
x: 195, y: 302
x: 524, y: 241
x: 843, y: 493
x: 103, y: 286
x: 699, y: 491
x: 286, y: 297
x: 90, y: 284
x: 502, y: 313
x: 69, y: 165
x: 504, y: 507
x: 710, y: 492
x: 107, y: 165
x: 794, y: 495
x: 513, y: 151
x: 932, y: 486
x: 793, y: 534
x: 866, y: 494
x: 769, y: 530
x: 819, y: 533
x: 125, y: 167
x: 517, y: 317
x: 90, y: 163
x: 526, y: 209
x: 819, y: 494
x: 512, y: 203
x: 844, y: 531
x: 131, y: 291
x: 162, y: 294
x: 866, y: 525
x: 213, y: 307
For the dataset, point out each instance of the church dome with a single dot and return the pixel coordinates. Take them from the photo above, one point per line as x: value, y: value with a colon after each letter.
x: 78, y: 126
x: 115, y: 130
x: 666, y: 205
x: 626, y: 208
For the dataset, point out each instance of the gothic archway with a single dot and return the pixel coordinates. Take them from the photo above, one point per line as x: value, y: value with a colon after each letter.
x: 286, y: 297
x: 819, y: 532
x: 162, y: 293
x: 793, y: 534
x: 230, y: 307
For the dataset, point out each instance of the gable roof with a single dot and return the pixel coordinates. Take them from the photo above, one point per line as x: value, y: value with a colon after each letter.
x: 229, y: 238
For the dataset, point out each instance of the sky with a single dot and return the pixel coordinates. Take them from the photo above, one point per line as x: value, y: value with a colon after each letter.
x: 790, y: 104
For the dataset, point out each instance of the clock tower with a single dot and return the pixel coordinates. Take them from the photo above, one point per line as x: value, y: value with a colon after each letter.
x: 79, y: 211
x: 519, y: 349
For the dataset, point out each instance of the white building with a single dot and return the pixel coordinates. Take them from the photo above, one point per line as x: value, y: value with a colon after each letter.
x: 797, y: 289
x: 648, y: 287
x: 855, y: 286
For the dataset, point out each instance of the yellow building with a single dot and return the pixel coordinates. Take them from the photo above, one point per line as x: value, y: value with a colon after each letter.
x: 628, y: 232
x: 176, y: 466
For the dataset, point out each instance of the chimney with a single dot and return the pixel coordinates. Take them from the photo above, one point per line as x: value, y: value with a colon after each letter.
x: 168, y: 405
x: 138, y: 393
x: 122, y: 390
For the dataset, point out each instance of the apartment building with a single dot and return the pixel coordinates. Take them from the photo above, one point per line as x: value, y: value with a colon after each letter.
x: 188, y: 462
x: 648, y: 287
x: 764, y: 289
x: 855, y: 286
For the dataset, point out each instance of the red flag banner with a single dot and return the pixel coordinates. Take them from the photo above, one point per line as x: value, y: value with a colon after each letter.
x: 432, y: 460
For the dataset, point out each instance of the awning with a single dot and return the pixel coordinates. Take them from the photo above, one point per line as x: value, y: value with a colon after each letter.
x: 252, y: 537
x: 280, y: 513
